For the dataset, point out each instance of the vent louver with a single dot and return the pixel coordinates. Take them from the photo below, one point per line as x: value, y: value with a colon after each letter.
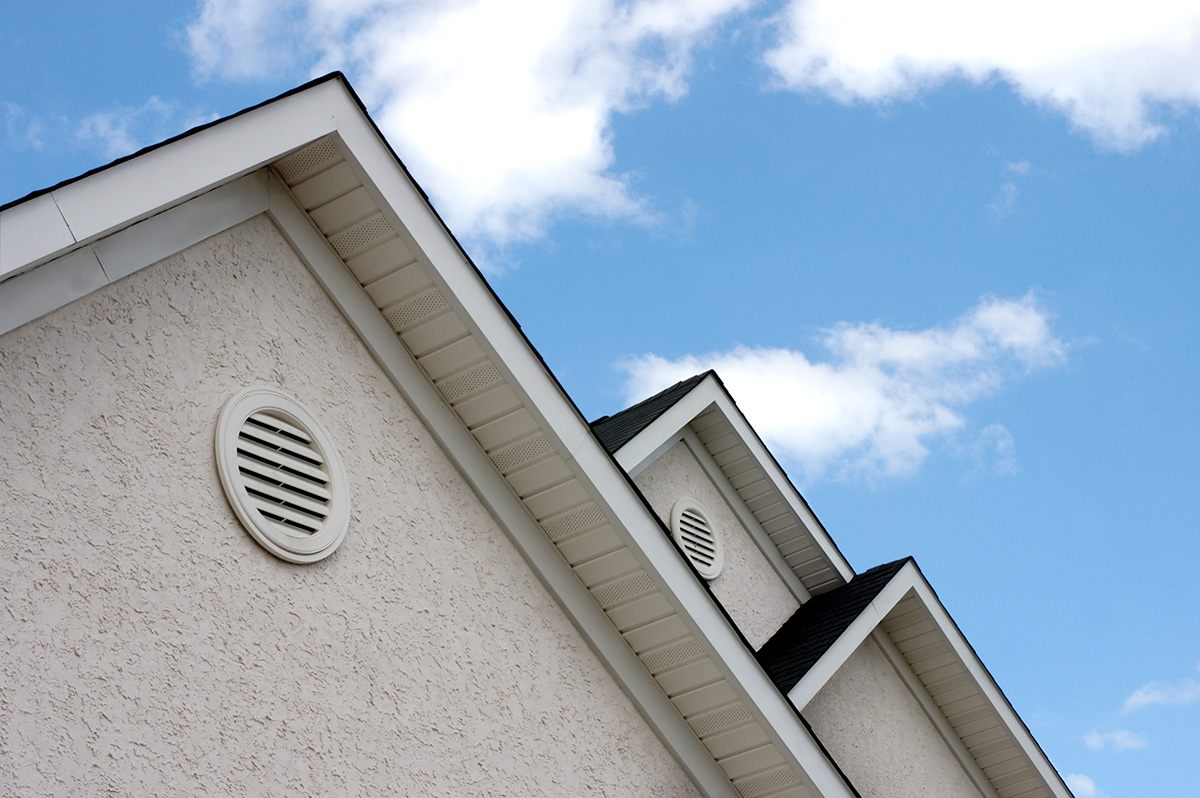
x: 281, y: 475
x: 701, y: 544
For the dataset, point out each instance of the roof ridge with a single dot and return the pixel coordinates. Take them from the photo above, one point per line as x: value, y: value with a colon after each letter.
x: 617, y: 430
x: 797, y: 645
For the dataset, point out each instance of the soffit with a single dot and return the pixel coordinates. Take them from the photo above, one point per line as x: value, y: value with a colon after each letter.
x: 974, y: 715
x: 465, y: 371
x: 641, y: 433
x: 537, y: 447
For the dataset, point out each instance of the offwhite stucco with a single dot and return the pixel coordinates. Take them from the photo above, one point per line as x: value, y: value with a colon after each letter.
x: 749, y: 589
x: 150, y: 646
x: 878, y: 734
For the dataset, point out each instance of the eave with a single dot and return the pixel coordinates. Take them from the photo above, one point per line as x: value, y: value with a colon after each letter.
x: 314, y: 162
x: 706, y: 410
x: 895, y: 606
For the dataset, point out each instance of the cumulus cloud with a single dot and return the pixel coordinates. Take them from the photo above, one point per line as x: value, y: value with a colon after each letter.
x: 1117, y: 739
x: 1181, y: 693
x: 883, y: 396
x: 1112, y: 68
x: 504, y: 110
x: 1082, y: 786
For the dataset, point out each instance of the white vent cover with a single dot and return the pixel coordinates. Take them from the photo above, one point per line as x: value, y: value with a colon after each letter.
x: 282, y: 475
x: 702, y: 545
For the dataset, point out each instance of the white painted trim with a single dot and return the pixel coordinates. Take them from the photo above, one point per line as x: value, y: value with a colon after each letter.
x: 99, y: 204
x: 608, y: 485
x: 989, y: 688
x: 139, y: 245
x: 858, y: 631
x: 910, y: 580
x: 80, y: 271
x: 935, y: 715
x: 63, y: 280
x: 513, y: 518
x: 747, y: 519
x: 648, y: 444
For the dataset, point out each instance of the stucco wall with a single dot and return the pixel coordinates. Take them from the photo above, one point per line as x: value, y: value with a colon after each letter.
x: 753, y: 594
x: 879, y: 735
x: 150, y: 646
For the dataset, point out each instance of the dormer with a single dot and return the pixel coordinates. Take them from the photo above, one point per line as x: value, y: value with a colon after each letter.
x: 690, y: 446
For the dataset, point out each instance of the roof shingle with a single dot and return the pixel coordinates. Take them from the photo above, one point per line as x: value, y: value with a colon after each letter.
x: 616, y: 431
x: 817, y: 625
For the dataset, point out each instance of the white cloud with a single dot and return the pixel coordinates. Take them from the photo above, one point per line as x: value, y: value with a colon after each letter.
x: 1181, y: 693
x: 1006, y: 199
x: 24, y: 130
x: 121, y: 131
x: 1117, y: 739
x: 504, y: 110
x: 1112, y: 68
x: 873, y: 408
x: 1082, y: 786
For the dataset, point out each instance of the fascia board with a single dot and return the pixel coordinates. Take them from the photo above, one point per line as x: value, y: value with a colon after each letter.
x: 783, y: 484
x: 643, y: 533
x: 127, y: 192
x: 909, y: 579
x: 759, y: 535
x: 480, y: 472
x: 648, y: 444
x: 31, y: 231
x: 609, y: 486
x: 645, y: 447
x: 900, y: 665
x: 858, y: 631
x: 987, y: 685
x: 433, y: 245
x: 90, y: 267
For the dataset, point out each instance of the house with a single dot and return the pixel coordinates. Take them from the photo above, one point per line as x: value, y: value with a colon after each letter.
x: 293, y: 507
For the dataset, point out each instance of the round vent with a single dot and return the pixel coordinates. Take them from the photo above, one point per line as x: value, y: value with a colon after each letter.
x: 282, y: 475
x: 700, y: 542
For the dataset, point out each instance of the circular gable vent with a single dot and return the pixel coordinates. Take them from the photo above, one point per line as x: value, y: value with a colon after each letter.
x: 282, y: 475
x: 695, y: 535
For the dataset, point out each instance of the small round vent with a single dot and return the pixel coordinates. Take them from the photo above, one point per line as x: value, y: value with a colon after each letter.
x: 695, y: 535
x: 282, y: 475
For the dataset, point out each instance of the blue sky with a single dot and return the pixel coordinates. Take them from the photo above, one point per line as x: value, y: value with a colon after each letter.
x: 946, y: 264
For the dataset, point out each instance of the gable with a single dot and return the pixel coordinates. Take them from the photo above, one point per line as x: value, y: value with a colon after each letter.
x: 315, y: 165
x: 136, y: 592
x: 754, y: 594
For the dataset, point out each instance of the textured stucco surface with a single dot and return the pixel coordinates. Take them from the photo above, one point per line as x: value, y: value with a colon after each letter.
x: 878, y: 734
x: 749, y: 589
x: 150, y: 646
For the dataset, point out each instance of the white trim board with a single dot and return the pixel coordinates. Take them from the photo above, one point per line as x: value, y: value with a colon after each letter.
x: 660, y: 435
x: 910, y: 582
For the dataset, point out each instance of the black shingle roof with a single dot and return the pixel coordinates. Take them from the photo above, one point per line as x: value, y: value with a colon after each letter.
x: 616, y: 431
x: 817, y: 625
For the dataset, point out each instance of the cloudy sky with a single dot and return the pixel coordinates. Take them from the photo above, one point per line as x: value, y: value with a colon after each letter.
x: 943, y: 254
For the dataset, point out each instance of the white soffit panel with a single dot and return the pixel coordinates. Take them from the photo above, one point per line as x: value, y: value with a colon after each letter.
x: 446, y: 318
x: 464, y: 369
x: 954, y: 682
x: 761, y: 484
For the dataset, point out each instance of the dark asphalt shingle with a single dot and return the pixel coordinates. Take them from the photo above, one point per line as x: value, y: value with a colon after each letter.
x: 616, y: 431
x: 817, y: 625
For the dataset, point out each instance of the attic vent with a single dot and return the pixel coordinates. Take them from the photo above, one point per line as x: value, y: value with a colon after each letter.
x: 282, y: 475
x: 700, y: 542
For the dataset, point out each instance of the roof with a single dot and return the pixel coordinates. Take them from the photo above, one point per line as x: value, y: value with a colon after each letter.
x: 818, y: 624
x: 317, y: 166
x: 616, y: 431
